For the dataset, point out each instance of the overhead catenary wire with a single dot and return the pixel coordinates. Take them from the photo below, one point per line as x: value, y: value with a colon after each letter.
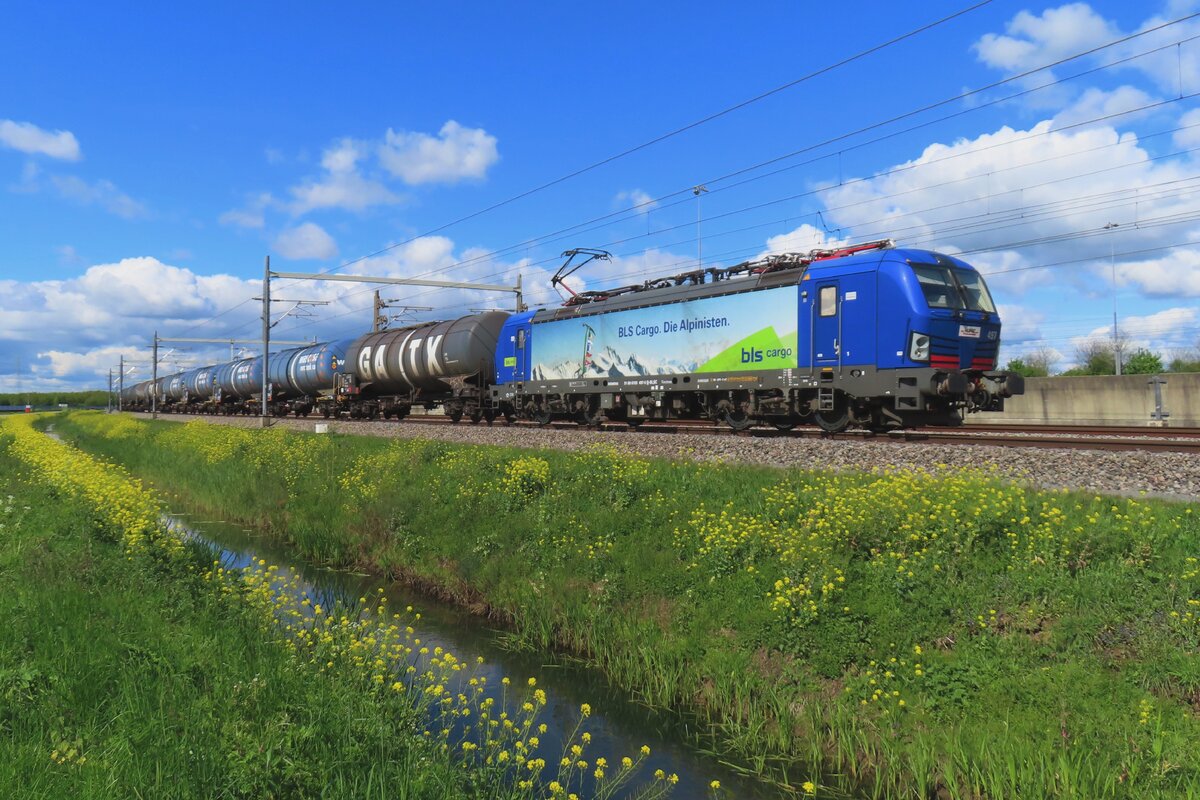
x: 960, y: 96
x: 1005, y: 217
x: 682, y: 129
x: 656, y: 140
x: 1125, y: 38
x: 892, y: 230
x: 901, y: 168
x: 685, y: 192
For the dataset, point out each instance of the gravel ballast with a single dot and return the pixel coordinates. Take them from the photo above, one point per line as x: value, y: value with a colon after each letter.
x: 1173, y: 476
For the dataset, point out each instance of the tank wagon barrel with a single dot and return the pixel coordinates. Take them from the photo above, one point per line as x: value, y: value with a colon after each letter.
x: 198, y: 383
x: 279, y: 374
x: 311, y: 370
x: 444, y: 363
x: 176, y: 389
x: 246, y: 378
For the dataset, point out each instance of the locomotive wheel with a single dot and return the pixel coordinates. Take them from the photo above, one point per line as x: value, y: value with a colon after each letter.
x: 784, y: 425
x: 834, y: 421
x: 325, y: 413
x: 541, y: 416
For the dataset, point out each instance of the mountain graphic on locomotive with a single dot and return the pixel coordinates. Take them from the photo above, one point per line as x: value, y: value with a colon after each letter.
x: 868, y: 335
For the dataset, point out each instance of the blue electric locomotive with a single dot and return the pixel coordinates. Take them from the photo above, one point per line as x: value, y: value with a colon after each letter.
x: 866, y: 335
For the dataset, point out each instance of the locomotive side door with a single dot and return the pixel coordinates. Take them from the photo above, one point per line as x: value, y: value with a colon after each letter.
x: 827, y: 325
x: 523, y: 334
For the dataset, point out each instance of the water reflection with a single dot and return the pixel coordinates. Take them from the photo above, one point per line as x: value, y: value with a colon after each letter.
x: 619, y: 726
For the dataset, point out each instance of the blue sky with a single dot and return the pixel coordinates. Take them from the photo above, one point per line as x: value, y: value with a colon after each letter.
x: 151, y: 156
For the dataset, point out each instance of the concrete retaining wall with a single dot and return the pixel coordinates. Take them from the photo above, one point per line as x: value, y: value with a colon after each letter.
x: 1101, y: 400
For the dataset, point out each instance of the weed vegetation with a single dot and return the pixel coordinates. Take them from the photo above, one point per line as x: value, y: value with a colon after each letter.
x: 133, y: 664
x: 919, y: 635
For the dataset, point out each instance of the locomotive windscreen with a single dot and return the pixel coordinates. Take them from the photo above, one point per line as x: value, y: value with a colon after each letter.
x: 953, y: 288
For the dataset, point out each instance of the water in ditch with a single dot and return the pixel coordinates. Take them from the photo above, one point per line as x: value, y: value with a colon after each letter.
x: 619, y: 725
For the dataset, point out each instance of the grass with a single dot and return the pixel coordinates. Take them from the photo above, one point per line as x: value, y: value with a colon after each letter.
x: 131, y: 679
x: 134, y: 665
x: 919, y: 635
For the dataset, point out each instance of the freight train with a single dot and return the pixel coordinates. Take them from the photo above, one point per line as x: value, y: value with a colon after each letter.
x: 869, y: 335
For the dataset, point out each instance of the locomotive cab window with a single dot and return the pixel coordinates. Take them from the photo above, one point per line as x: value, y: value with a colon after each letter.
x: 521, y: 339
x: 953, y: 288
x: 975, y: 291
x: 828, y: 301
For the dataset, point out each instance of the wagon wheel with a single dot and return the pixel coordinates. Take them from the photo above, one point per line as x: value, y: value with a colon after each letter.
x: 590, y: 414
x: 476, y: 416
x: 455, y: 414
x: 738, y: 420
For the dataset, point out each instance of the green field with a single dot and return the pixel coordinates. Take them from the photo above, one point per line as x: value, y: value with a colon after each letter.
x: 133, y: 664
x: 918, y: 635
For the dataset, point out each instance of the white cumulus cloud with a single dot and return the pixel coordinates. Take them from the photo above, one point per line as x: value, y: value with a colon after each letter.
x: 455, y: 153
x: 1033, y: 40
x: 1043, y: 195
x: 343, y: 185
x: 305, y: 241
x: 29, y: 138
x: 1188, y: 135
x: 1176, y: 274
x: 1168, y: 55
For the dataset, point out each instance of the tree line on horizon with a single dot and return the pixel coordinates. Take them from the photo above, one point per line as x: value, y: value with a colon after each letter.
x: 1098, y: 357
x: 83, y: 399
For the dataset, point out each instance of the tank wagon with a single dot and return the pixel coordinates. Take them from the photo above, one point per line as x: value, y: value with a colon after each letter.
x: 298, y: 380
x: 447, y: 364
x: 867, y: 335
x: 310, y: 374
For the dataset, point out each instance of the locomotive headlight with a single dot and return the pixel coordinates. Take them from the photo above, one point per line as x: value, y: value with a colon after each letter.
x: 918, y: 347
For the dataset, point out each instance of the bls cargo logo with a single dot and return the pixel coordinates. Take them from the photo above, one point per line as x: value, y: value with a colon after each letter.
x: 753, y: 355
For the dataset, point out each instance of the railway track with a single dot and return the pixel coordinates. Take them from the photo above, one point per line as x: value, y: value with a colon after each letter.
x: 1073, y: 437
